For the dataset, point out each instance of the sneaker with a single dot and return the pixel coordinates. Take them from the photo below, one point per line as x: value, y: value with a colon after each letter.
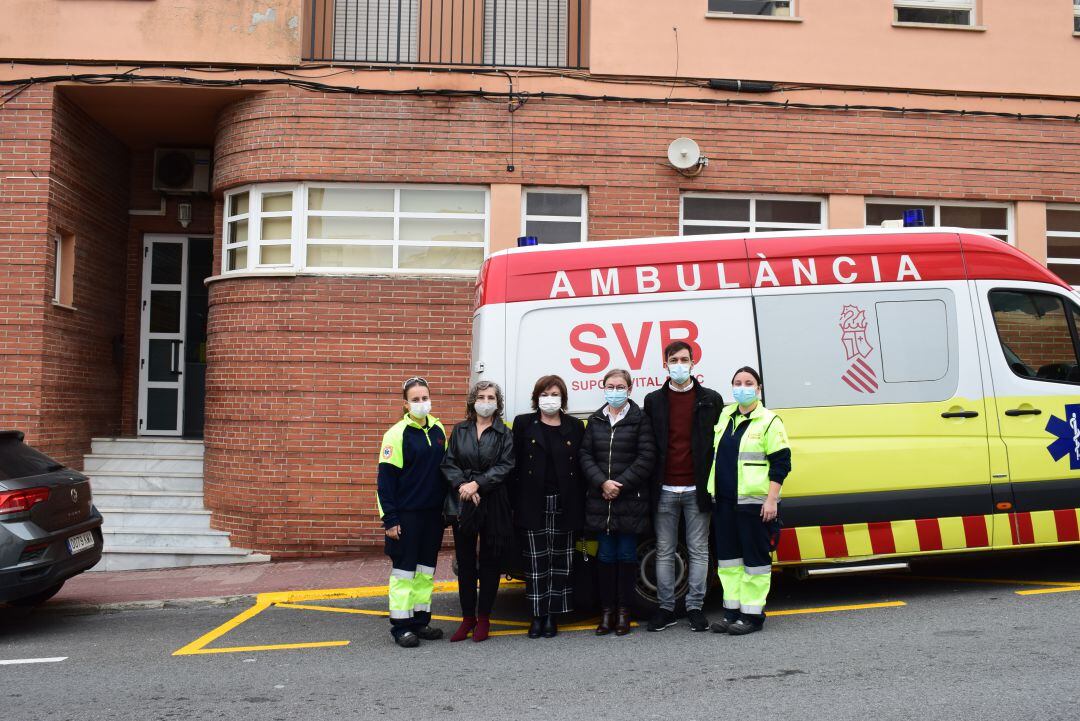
x: 743, y: 627
x: 698, y: 621
x: 408, y: 639
x: 428, y: 633
x: 662, y: 619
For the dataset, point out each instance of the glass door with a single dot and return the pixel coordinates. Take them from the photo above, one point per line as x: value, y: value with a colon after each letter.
x: 164, y: 321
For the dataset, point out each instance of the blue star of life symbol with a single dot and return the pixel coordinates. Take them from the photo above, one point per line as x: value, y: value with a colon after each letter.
x: 1067, y: 431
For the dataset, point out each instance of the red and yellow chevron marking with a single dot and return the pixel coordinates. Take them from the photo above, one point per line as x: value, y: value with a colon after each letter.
x: 927, y: 535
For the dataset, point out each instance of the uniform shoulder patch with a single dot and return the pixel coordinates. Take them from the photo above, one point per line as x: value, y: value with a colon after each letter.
x: 387, y: 451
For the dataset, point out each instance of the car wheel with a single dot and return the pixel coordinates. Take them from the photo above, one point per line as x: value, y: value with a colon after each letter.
x: 645, y: 600
x: 36, y: 599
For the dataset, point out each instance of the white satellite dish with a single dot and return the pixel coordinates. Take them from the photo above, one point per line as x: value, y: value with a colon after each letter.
x: 685, y: 155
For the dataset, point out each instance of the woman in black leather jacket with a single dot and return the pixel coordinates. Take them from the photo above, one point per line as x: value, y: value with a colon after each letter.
x: 479, y: 457
x: 617, y: 458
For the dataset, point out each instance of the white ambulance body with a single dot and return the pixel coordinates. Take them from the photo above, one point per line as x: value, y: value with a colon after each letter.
x: 928, y: 378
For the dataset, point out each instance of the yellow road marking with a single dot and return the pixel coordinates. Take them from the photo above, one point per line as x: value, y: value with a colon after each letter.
x: 270, y: 647
x: 330, y: 594
x: 1002, y: 581
x: 197, y: 645
x: 364, y: 612
x: 832, y: 609
x: 1059, y: 589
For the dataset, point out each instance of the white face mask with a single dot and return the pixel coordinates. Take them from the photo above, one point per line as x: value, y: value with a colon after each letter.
x: 485, y: 409
x: 420, y: 409
x: 549, y: 405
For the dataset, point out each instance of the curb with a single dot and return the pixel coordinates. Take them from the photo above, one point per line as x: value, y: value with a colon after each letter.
x: 84, y: 609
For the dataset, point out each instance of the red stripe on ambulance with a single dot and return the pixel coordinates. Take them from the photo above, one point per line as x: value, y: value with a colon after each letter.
x: 1065, y: 520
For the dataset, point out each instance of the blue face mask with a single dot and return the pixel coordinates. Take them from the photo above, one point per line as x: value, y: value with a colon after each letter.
x: 615, y: 399
x: 744, y: 395
x: 679, y: 372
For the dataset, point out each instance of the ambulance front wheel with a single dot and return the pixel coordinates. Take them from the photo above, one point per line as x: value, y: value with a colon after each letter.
x: 645, y: 599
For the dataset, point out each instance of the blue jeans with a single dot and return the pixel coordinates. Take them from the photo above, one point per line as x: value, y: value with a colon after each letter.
x: 671, y: 507
x: 617, y: 548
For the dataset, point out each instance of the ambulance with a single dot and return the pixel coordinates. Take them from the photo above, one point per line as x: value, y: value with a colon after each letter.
x: 928, y: 377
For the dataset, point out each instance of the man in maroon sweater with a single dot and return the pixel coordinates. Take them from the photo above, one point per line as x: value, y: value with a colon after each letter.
x: 683, y: 413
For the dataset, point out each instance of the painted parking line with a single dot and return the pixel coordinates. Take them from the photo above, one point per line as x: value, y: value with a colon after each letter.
x: 302, y: 601
x: 1000, y: 581
x: 16, y: 661
x: 1040, y: 591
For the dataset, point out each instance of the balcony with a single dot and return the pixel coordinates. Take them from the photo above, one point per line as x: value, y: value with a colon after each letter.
x: 500, y: 33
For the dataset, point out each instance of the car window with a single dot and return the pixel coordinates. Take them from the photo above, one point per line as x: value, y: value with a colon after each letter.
x: 1037, y: 334
x: 18, y: 460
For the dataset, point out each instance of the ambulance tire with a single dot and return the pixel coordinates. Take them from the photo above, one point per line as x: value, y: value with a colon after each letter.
x: 645, y: 600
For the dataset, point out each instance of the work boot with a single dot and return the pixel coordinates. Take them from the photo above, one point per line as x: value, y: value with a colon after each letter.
x: 622, y: 621
x: 407, y: 639
x: 551, y: 629
x: 662, y: 619
x: 698, y: 620
x: 427, y: 633
x: 607, y: 621
x: 536, y: 628
x: 724, y: 623
x: 746, y: 624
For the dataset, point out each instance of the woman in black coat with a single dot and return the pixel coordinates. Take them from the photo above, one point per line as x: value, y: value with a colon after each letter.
x: 548, y: 496
x: 617, y: 458
x: 479, y: 458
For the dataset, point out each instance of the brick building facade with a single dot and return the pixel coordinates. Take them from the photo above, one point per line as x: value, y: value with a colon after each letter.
x: 303, y: 365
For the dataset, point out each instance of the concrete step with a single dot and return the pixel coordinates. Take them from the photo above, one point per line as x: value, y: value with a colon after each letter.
x: 141, y: 462
x: 102, y: 481
x: 164, y: 537
x: 147, y: 446
x: 154, y: 517
x: 142, y: 500
x: 128, y: 558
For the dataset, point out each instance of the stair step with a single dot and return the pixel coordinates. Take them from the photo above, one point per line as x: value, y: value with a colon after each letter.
x: 141, y: 500
x: 103, y: 481
x: 155, y: 517
x: 146, y: 463
x: 147, y: 446
x: 155, y: 537
x: 126, y: 558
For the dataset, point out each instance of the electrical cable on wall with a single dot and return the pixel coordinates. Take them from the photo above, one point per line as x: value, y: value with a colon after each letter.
x: 108, y: 78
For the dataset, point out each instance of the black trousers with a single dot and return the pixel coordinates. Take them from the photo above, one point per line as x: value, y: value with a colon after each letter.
x: 475, y: 568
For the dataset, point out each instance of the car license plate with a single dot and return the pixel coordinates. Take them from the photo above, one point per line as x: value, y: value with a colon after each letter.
x: 81, y: 542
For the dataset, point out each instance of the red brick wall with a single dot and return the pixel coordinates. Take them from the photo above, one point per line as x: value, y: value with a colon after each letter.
x: 25, y: 254
x: 304, y: 372
x: 304, y: 376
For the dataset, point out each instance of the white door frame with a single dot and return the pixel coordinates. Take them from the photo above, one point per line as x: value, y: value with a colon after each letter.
x: 178, y: 338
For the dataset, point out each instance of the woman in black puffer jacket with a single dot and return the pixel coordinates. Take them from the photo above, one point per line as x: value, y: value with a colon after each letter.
x: 617, y: 458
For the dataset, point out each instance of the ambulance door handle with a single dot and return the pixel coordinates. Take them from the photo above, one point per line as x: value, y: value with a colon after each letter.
x: 1023, y: 412
x: 960, y: 414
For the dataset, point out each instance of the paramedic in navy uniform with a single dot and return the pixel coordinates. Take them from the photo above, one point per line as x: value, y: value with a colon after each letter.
x: 411, y: 493
x: 752, y: 460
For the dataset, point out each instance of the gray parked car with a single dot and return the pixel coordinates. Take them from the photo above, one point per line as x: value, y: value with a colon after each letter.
x: 49, y: 528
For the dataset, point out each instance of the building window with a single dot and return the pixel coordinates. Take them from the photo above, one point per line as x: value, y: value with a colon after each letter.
x: 337, y: 227
x: 994, y: 219
x: 380, y: 31
x: 1076, y: 16
x: 705, y: 214
x: 765, y: 8
x: 555, y: 215
x: 530, y: 34
x: 1063, y: 242
x: 64, y: 268
x: 935, y: 12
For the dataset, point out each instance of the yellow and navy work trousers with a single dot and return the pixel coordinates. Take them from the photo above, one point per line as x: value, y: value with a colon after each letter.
x: 743, y: 557
x: 412, y: 578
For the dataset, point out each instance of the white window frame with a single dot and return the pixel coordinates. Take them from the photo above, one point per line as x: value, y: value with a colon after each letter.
x: 300, y: 213
x: 970, y: 5
x: 227, y: 243
x: 1076, y: 17
x: 583, y: 219
x: 724, y: 14
x: 1010, y: 212
x: 752, y: 224
x: 58, y: 269
x: 1062, y: 234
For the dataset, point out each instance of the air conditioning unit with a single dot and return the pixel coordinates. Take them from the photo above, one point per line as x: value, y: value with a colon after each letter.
x: 182, y: 170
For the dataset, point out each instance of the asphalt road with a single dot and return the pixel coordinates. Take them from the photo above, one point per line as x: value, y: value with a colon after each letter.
x: 955, y: 649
